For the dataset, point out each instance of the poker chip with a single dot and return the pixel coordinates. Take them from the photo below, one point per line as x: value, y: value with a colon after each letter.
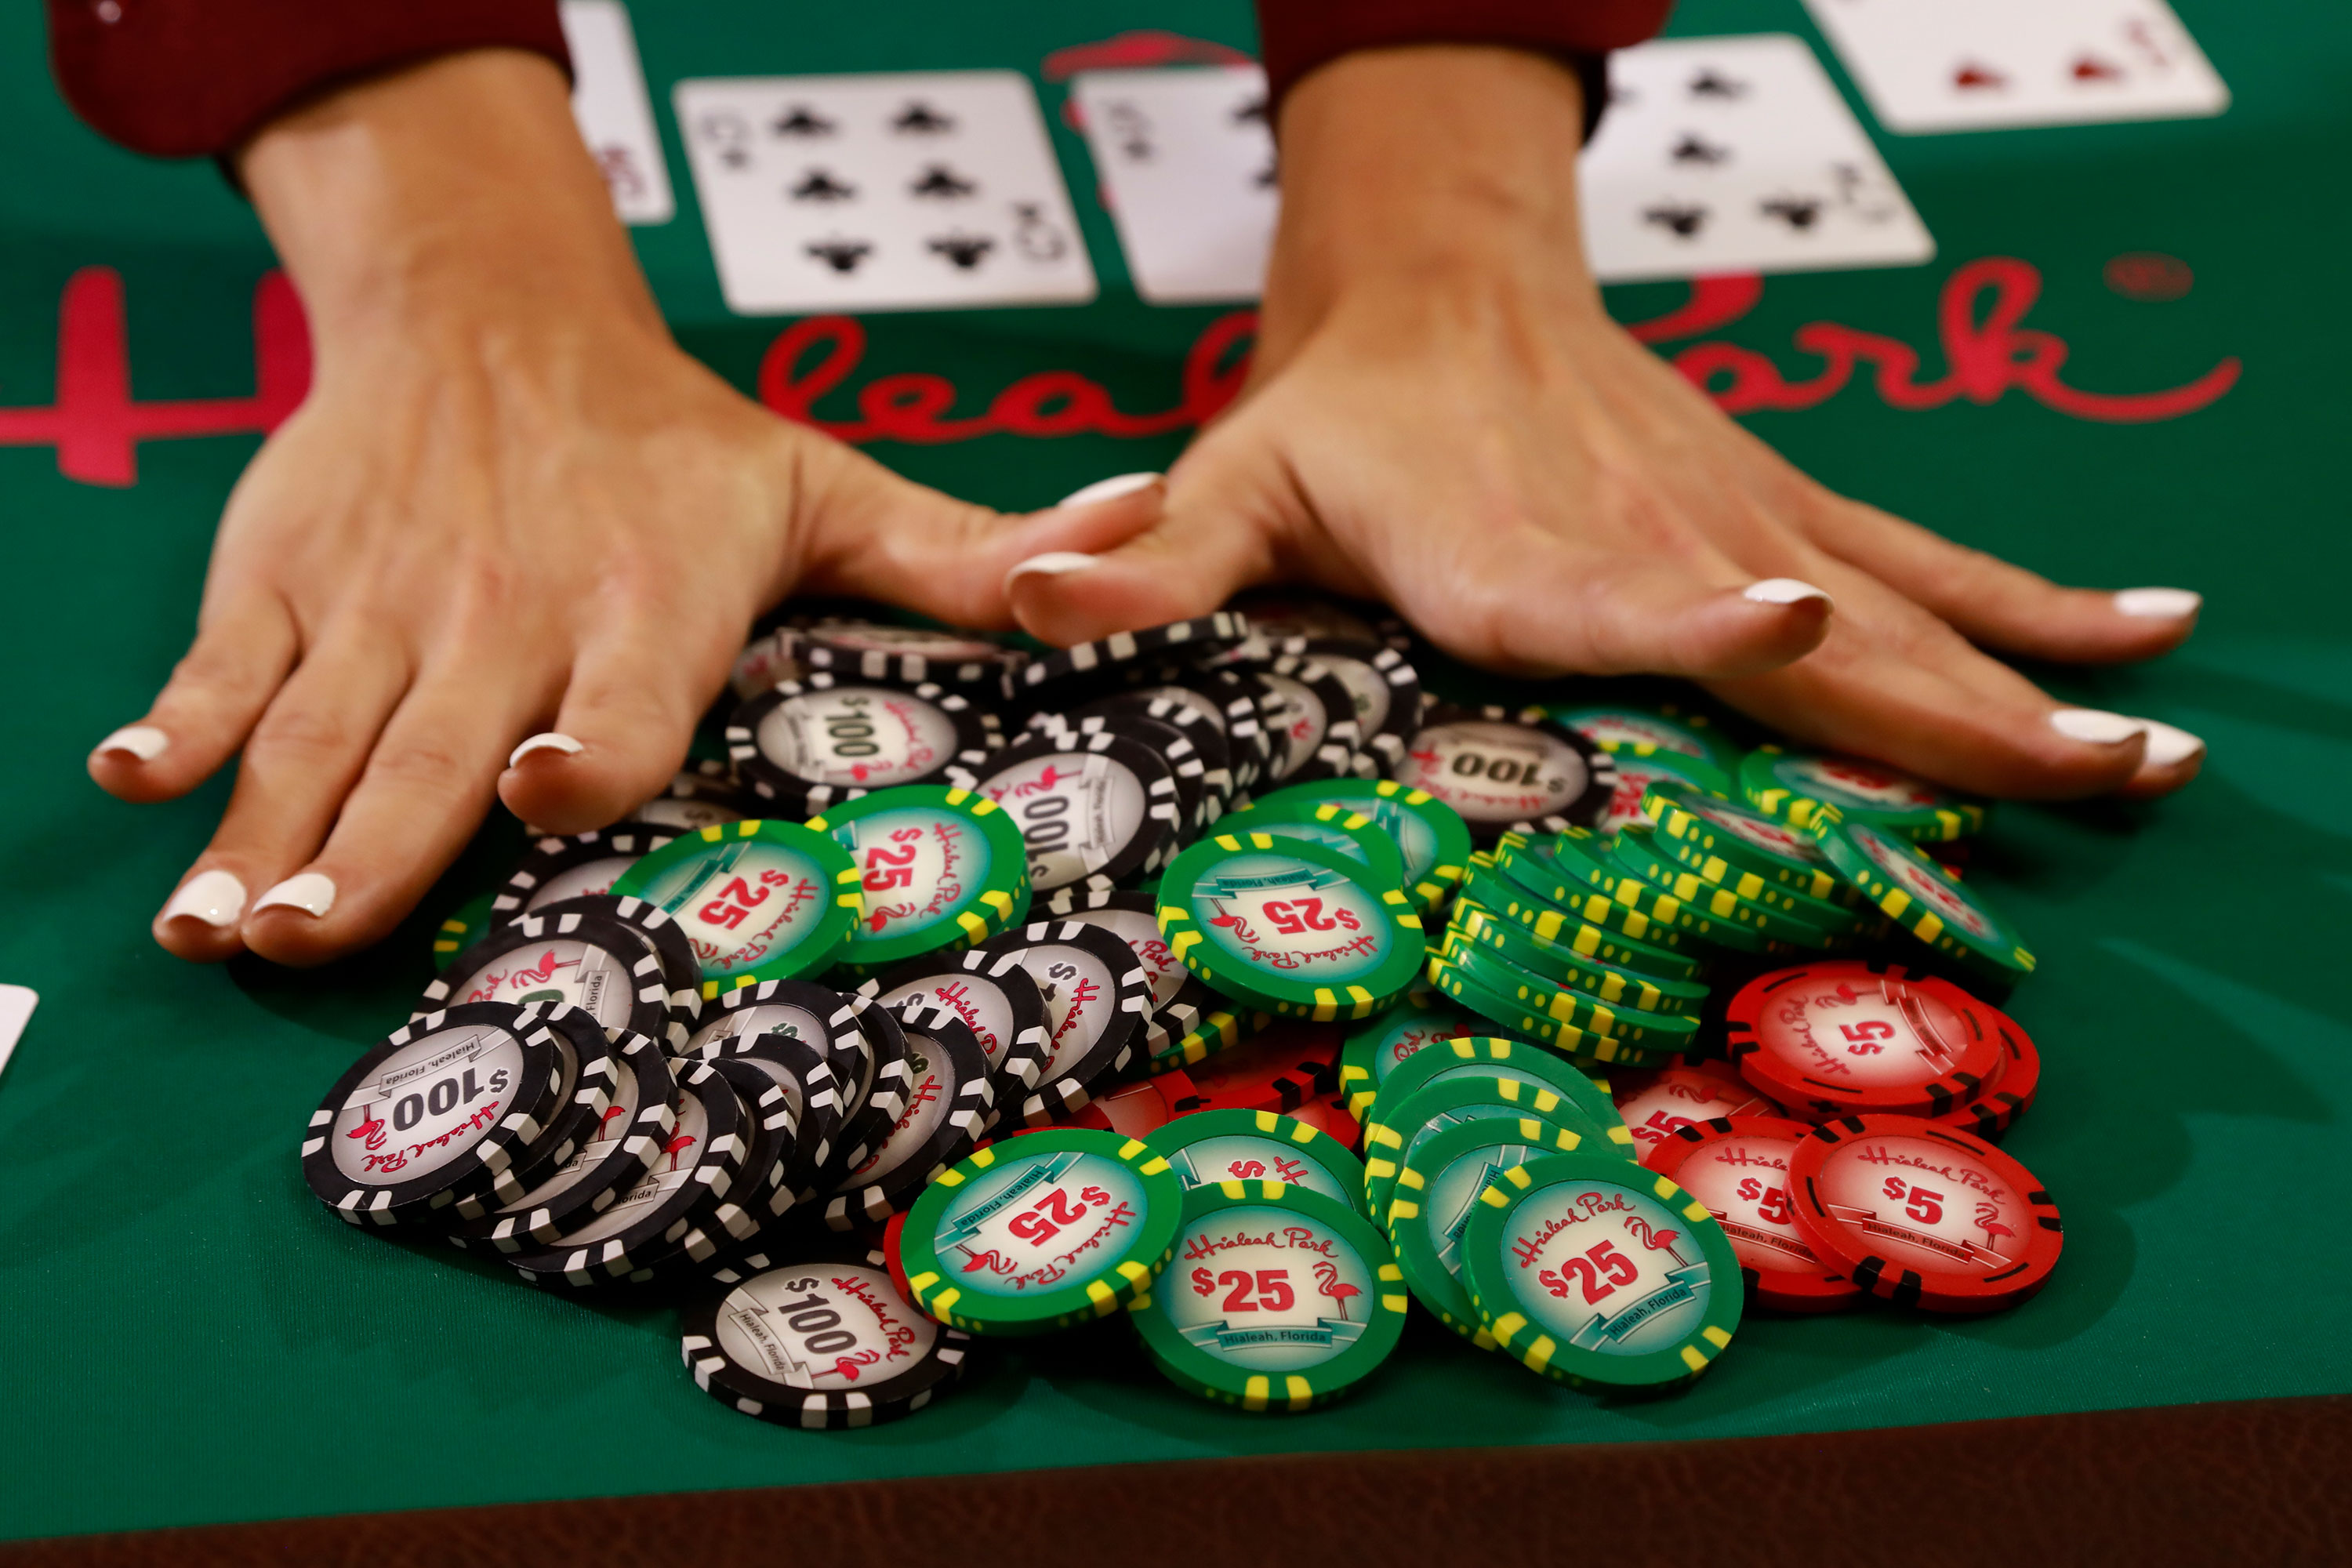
x: 1565, y: 967
x: 434, y: 1111
x: 1560, y: 866
x: 463, y: 929
x: 1435, y: 1190
x: 1581, y: 950
x: 1099, y: 809
x: 1098, y: 998
x: 1051, y: 1229
x: 1331, y: 825
x: 1924, y: 1214
x: 1800, y: 787
x: 1371, y: 1052
x: 1312, y: 721
x: 1647, y: 729
x: 1220, y: 1029
x: 681, y: 972
x: 823, y: 1343
x: 605, y: 967
x: 698, y: 795
x: 1557, y: 922
x: 1715, y: 914
x: 1287, y: 1299
x: 1193, y: 716
x: 907, y: 655
x: 1503, y: 769
x: 773, y: 1178
x: 938, y: 869
x: 800, y: 1010
x: 1135, y: 1110
x: 1741, y: 849
x: 758, y: 900
x: 880, y: 1096
x: 948, y: 1105
x: 1278, y: 615
x: 1185, y: 764
x: 1090, y: 661
x: 1563, y: 1004
x: 1505, y: 1015
x: 1658, y: 1102
x: 1429, y: 833
x: 998, y: 1002
x: 1843, y: 1039
x: 1282, y: 1070
x: 592, y: 1072
x: 1907, y: 885
x: 1178, y: 1000
x: 565, y: 867
x: 764, y: 661
x: 1234, y: 700
x: 1591, y: 1271
x: 1638, y: 775
x: 1798, y: 917
x: 796, y: 1068
x: 1290, y: 927
x: 1739, y: 1167
x: 2017, y: 1077
x: 1383, y: 688
x: 1489, y: 1056
x: 1211, y: 1146
x: 642, y: 1227
x: 807, y: 745
x: 1393, y: 1132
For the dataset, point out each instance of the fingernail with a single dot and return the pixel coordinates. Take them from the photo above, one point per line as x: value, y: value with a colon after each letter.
x: 2159, y: 604
x: 1783, y: 591
x: 1053, y: 563
x: 2096, y: 725
x: 214, y: 897
x: 144, y: 742
x: 553, y: 741
x: 1106, y: 490
x: 312, y: 892
x: 2168, y: 745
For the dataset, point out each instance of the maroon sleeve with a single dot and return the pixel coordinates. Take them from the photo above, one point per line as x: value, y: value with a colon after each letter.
x: 185, y: 77
x: 1297, y: 35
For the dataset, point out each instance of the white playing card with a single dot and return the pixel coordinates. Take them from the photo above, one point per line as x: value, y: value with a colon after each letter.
x: 1735, y: 154
x: 617, y: 118
x: 17, y: 1003
x: 1187, y: 168
x: 1968, y: 65
x: 927, y: 190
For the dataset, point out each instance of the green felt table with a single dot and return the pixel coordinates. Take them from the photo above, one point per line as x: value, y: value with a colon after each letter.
x: 186, y: 1338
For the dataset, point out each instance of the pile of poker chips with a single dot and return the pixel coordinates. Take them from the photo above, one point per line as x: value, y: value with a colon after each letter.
x: 967, y: 961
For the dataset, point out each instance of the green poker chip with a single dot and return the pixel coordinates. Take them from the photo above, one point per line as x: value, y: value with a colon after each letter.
x: 1371, y: 1052
x: 1429, y: 833
x: 1281, y: 1299
x: 1435, y: 1193
x: 1637, y: 776
x: 1564, y: 966
x: 939, y: 869
x: 1330, y: 823
x: 1592, y: 1271
x: 758, y: 900
x: 1213, y: 1033
x: 1510, y: 1017
x: 1906, y: 884
x: 1550, y: 919
x: 1558, y: 867
x: 1471, y: 1097
x: 1490, y: 1055
x: 1591, y: 943
x: 1640, y: 730
x: 1666, y: 892
x: 1042, y: 1231
x: 1728, y: 843
x: 461, y: 931
x: 1209, y: 1146
x: 1568, y: 1005
x: 1796, y: 787
x: 1294, y: 928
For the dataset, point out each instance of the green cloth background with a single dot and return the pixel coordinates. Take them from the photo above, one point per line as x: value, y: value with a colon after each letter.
x: 184, y: 1337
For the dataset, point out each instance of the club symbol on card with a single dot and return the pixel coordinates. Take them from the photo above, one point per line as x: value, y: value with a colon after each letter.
x: 1130, y: 131
x: 728, y: 132
x: 2090, y: 68
x: 1864, y: 194
x: 799, y: 120
x: 964, y: 251
x: 821, y: 185
x: 1693, y: 148
x: 844, y: 256
x: 1799, y: 213
x: 939, y: 182
x: 1975, y: 76
x: 1712, y: 83
x: 919, y: 118
x: 1035, y: 235
x: 1684, y: 220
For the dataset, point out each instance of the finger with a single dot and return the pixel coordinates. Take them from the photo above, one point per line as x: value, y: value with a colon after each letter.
x: 635, y: 692
x: 1990, y: 601
x: 425, y: 786
x: 299, y: 763
x: 1140, y: 555
x: 204, y: 711
x: 2174, y: 757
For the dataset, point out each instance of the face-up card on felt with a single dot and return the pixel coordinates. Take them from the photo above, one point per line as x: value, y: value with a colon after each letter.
x: 616, y: 117
x: 1187, y: 170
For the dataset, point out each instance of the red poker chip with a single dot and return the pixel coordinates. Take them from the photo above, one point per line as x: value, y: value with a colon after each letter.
x: 1138, y: 1110
x: 1847, y: 1038
x: 1280, y: 1070
x: 891, y: 1231
x: 1658, y: 1102
x: 1739, y: 1167
x: 1923, y: 1215
x: 2016, y: 1079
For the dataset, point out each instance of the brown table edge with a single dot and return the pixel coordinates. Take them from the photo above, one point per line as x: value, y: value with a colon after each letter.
x: 2263, y: 1481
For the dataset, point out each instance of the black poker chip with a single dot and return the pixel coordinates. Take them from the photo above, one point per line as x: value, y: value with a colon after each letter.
x: 663, y: 936
x: 1178, y: 999
x: 1091, y: 664
x: 434, y: 1113
x: 566, y: 867
x: 1097, y: 809
x: 580, y: 960
x: 1174, y: 747
x: 826, y: 1340
x: 881, y: 1098
x: 1235, y: 701
x: 1198, y: 723
x: 797, y: 1068
x: 1509, y: 770
x: 910, y: 655
x: 948, y: 1110
x: 994, y: 996
x: 1313, y: 722
x: 807, y: 745
x: 1386, y: 690
x: 1098, y: 1003
x: 591, y: 1074
x: 803, y: 1009
x: 632, y: 1134
x: 767, y: 658
x: 774, y: 1179
x: 701, y: 795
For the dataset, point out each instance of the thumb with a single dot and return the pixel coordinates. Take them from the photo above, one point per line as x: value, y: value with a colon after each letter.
x: 1142, y: 555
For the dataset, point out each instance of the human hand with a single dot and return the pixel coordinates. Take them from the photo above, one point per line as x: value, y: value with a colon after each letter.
x: 509, y: 504
x: 1441, y: 415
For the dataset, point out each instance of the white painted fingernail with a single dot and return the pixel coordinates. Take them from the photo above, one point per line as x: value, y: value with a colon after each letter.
x: 1106, y: 490
x: 313, y: 892
x: 214, y: 897
x: 144, y: 742
x: 1053, y: 563
x: 553, y: 741
x: 2159, y: 604
x: 2096, y: 725
x: 1783, y: 591
x: 2168, y: 746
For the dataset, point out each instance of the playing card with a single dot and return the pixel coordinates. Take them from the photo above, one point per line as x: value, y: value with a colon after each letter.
x: 926, y: 190
x: 1187, y: 169
x: 17, y: 1003
x: 1969, y: 64
x: 617, y: 118
x: 1735, y: 154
